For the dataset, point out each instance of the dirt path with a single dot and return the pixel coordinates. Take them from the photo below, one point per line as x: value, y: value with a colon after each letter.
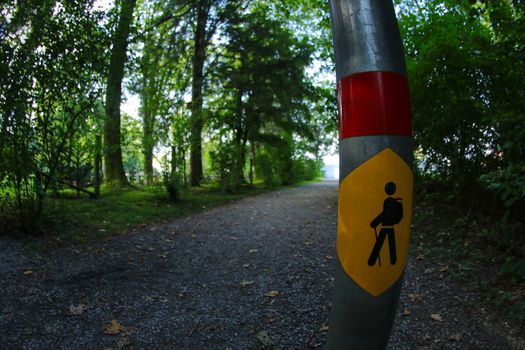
x: 223, y: 279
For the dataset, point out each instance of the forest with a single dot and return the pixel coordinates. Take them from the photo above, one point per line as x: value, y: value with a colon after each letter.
x: 239, y: 96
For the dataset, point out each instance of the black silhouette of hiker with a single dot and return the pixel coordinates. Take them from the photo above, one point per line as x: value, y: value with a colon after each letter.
x: 391, y: 215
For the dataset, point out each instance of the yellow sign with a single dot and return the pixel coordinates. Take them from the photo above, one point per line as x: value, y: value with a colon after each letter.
x: 375, y: 212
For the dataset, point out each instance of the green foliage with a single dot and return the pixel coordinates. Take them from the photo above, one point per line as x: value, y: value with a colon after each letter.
x: 227, y: 166
x: 464, y: 56
x: 446, y: 57
x: 52, y: 53
x: 465, y: 61
x: 306, y: 169
x: 131, y: 141
x: 509, y: 184
x: 265, y: 168
x: 277, y: 166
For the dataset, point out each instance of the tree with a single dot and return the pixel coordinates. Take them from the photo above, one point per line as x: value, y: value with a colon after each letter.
x: 114, y: 169
x: 446, y: 53
x: 53, y: 53
x: 161, y: 65
x: 200, y: 40
x: 209, y: 15
x: 263, y: 90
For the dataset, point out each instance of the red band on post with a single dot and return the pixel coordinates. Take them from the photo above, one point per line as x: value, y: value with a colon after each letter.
x: 374, y: 103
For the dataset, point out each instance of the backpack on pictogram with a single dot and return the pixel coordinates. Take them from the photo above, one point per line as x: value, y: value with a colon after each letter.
x: 397, y: 210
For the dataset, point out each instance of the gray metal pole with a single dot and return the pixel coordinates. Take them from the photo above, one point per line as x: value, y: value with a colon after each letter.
x: 376, y: 182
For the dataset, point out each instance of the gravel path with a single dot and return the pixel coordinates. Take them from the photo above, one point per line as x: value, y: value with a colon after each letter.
x: 258, y: 271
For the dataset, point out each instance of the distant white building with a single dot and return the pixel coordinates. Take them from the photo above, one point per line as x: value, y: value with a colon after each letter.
x: 330, y: 172
x: 330, y: 169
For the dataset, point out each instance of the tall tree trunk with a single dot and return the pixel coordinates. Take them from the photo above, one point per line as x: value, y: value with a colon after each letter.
x: 240, y: 139
x: 115, y: 175
x: 182, y: 161
x: 173, y: 161
x: 252, y: 162
x: 197, y: 121
x: 98, y: 160
x: 147, y: 144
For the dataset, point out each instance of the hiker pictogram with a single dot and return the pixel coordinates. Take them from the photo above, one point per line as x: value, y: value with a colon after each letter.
x: 375, y: 210
x: 390, y: 216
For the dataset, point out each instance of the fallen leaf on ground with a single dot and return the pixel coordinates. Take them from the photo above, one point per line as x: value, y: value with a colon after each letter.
x: 77, y: 310
x: 113, y: 328
x: 246, y: 265
x: 444, y: 269
x: 28, y: 272
x: 253, y: 251
x: 420, y: 257
x: 456, y: 337
x: 264, y: 338
x: 272, y: 294
x: 407, y: 312
x: 436, y: 317
x: 324, y: 328
x: 415, y: 297
x: 429, y: 270
x: 246, y: 283
x: 233, y: 238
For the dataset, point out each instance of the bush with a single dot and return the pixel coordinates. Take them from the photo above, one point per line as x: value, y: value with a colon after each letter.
x: 227, y: 166
x: 306, y: 169
x: 509, y: 185
x: 173, y: 184
x: 264, y: 168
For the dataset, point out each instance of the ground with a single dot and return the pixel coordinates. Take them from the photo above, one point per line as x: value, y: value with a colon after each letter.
x: 253, y: 274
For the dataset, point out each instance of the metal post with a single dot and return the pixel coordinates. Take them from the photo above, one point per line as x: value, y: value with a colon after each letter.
x: 376, y: 181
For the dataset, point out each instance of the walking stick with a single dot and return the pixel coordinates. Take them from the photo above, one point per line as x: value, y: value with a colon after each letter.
x: 379, y: 252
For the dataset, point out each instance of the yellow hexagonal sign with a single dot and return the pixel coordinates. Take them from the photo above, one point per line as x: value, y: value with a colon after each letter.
x: 375, y: 212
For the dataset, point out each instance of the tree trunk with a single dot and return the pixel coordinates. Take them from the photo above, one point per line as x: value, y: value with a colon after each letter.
x: 182, y: 153
x: 173, y: 161
x: 114, y: 167
x: 98, y: 160
x: 197, y: 121
x: 252, y: 162
x: 147, y: 145
x: 240, y: 139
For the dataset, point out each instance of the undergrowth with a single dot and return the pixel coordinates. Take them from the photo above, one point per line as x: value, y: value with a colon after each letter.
x: 483, y: 248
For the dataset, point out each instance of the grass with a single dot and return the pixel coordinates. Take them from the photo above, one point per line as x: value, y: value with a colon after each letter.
x: 71, y: 220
